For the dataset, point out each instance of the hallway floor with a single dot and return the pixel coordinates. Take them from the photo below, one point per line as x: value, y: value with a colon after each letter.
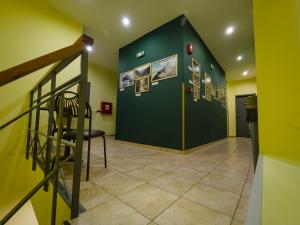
x: 210, y: 186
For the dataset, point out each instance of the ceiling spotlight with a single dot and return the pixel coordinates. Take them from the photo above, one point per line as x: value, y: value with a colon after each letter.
x: 239, y: 58
x: 229, y: 30
x: 126, y: 21
x: 245, y: 73
x: 89, y: 48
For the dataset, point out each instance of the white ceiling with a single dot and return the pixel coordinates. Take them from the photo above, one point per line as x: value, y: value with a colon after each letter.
x: 102, y: 21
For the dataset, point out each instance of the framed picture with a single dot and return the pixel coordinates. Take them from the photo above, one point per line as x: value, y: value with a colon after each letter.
x: 196, y: 92
x: 195, y: 66
x: 142, y: 85
x: 208, y: 87
x: 221, y: 94
x: 127, y: 79
x: 142, y: 71
x: 164, y: 68
x: 196, y: 80
x: 214, y: 91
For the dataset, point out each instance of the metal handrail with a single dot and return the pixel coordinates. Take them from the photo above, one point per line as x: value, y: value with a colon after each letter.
x: 75, y: 81
x: 31, y: 66
x: 52, y: 173
x: 26, y: 198
x: 63, y: 141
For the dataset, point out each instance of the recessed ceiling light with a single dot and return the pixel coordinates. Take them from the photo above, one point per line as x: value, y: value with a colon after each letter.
x: 245, y: 73
x: 89, y: 48
x: 239, y: 58
x: 126, y: 21
x: 229, y: 30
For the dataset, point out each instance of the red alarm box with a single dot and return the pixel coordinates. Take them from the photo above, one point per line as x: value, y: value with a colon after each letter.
x: 189, y: 49
x: 106, y: 108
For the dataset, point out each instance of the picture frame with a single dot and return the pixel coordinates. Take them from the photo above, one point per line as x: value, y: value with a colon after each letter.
x: 142, y: 71
x: 221, y: 94
x: 196, y: 91
x: 142, y: 85
x: 196, y: 67
x: 126, y: 79
x: 164, y: 69
x: 208, y: 87
x: 196, y: 80
x: 213, y: 91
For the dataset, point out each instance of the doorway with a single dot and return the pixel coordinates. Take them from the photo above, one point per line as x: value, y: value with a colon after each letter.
x: 242, y: 128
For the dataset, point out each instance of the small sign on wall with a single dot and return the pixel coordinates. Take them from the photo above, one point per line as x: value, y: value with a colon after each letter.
x: 106, y: 108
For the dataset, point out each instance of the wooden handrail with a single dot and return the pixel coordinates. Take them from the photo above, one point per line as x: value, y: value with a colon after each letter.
x: 31, y: 66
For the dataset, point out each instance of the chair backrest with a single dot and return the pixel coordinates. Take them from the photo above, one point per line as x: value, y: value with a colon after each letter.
x: 71, y: 105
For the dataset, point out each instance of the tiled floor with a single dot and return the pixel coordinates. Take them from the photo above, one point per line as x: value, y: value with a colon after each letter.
x: 149, y: 187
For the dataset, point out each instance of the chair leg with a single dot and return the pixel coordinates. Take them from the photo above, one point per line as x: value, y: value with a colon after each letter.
x: 104, y: 144
x: 88, y: 160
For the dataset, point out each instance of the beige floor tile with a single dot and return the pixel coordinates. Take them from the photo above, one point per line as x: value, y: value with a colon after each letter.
x: 185, y: 212
x: 214, y: 198
x: 149, y: 200
x: 242, y: 209
x: 236, y: 167
x: 146, y: 173
x: 189, y: 173
x: 119, y: 184
x: 161, y: 166
x: 237, y: 222
x: 224, y: 183
x: 202, y: 166
x: 175, y: 184
x: 92, y: 195
x: 100, y: 173
x: 113, y: 212
x: 247, y: 189
x: 230, y: 173
x: 232, y: 158
x: 125, y: 165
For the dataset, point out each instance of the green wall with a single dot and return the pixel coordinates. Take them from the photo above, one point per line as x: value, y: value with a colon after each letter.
x: 155, y: 118
x: 205, y: 121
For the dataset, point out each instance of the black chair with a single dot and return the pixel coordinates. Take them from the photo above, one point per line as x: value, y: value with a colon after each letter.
x: 71, y: 107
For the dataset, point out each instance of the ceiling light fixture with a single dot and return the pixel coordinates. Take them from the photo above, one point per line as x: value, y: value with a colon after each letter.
x: 245, y: 73
x: 229, y: 30
x: 89, y: 48
x: 126, y: 21
x: 239, y: 58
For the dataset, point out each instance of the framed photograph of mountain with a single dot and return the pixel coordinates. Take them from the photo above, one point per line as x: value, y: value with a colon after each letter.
x: 164, y: 68
x: 196, y: 80
x: 195, y: 66
x: 127, y: 79
x: 142, y: 85
x: 142, y: 71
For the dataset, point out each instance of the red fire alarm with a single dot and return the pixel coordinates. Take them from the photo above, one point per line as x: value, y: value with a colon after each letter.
x: 189, y: 48
x: 106, y: 108
x: 189, y: 90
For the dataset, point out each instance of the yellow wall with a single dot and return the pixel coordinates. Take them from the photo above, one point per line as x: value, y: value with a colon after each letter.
x: 277, y: 42
x: 103, y: 88
x: 27, y: 31
x: 281, y: 195
x: 235, y: 88
x: 25, y: 216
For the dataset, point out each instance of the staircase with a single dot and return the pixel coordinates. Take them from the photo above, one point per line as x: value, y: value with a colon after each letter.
x: 43, y: 147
